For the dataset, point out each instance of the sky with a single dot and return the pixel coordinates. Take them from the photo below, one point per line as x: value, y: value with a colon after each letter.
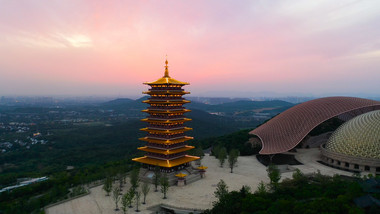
x: 222, y: 47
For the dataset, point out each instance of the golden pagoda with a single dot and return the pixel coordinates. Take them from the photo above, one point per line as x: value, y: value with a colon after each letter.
x: 166, y: 140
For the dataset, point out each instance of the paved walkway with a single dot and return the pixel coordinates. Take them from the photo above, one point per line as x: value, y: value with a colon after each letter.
x: 309, y: 158
x: 199, y: 194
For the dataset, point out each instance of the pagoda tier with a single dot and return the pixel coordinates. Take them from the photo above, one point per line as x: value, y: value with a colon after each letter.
x: 166, y: 112
x: 166, y: 146
x: 152, y: 130
x: 165, y: 121
x: 162, y: 101
x: 166, y: 163
x: 166, y: 151
x: 166, y: 140
x: 166, y: 92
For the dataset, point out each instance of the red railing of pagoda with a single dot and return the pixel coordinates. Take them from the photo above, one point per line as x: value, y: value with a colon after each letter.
x: 165, y: 117
x: 166, y: 126
x: 167, y: 137
x: 165, y: 107
x: 165, y: 98
x: 165, y: 89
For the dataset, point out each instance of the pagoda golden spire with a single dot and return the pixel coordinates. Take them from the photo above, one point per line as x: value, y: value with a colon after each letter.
x: 166, y: 68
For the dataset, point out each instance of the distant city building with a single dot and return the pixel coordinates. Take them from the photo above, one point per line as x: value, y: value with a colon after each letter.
x: 166, y: 140
x: 23, y: 100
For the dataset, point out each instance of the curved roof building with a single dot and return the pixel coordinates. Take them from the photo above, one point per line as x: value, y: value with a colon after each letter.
x: 355, y: 145
x: 286, y: 130
x: 359, y: 137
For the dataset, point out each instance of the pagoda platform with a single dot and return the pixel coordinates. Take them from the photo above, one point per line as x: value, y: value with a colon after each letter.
x: 191, y: 171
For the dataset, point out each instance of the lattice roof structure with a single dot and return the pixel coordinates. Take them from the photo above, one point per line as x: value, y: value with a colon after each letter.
x: 359, y: 137
x: 286, y: 130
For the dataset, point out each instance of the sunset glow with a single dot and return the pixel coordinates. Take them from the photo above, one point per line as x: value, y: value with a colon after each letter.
x: 221, y: 47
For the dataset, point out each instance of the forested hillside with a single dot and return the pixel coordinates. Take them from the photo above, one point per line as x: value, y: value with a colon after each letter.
x: 74, y: 144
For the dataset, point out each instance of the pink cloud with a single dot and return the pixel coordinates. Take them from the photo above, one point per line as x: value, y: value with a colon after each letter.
x: 113, y: 47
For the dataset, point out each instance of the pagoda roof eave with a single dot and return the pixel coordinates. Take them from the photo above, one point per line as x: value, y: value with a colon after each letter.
x: 167, y: 142
x: 166, y: 111
x: 149, y: 120
x: 202, y: 167
x: 180, y: 175
x: 166, y: 163
x: 166, y: 81
x: 166, y: 92
x: 166, y: 152
x: 167, y: 101
x: 184, y: 129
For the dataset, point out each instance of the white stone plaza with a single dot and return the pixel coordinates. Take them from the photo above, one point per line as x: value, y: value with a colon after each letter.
x: 200, y: 194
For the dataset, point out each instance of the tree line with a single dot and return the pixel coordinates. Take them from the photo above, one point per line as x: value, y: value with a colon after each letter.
x: 60, y: 185
x: 314, y: 193
x: 137, y: 189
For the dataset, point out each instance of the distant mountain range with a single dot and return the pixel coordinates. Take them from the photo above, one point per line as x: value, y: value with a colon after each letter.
x: 203, y: 123
x: 239, y: 105
x: 210, y: 120
x: 242, y: 105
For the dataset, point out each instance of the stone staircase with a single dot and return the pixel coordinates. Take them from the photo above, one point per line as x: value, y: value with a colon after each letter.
x: 192, y: 178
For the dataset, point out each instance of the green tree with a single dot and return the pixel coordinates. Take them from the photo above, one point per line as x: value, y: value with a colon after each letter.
x: 261, y: 189
x: 215, y: 150
x: 164, y: 185
x: 322, y: 195
x: 124, y: 203
x: 356, y: 175
x: 134, y: 178
x: 245, y: 190
x: 199, y: 152
x: 274, y: 175
x: 130, y: 195
x: 124, y: 178
x: 221, y: 190
x: 299, y: 177
x: 145, y: 188
x: 232, y: 158
x: 156, y: 177
x: 137, y: 196
x: 222, y: 155
x: 78, y: 190
x: 231, y: 202
x: 107, y: 186
x: 116, y: 197
x: 282, y: 206
x: 120, y: 178
x: 297, y: 174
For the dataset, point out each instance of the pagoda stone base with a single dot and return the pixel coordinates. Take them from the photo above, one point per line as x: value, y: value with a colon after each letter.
x: 181, y: 182
x: 192, y: 175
